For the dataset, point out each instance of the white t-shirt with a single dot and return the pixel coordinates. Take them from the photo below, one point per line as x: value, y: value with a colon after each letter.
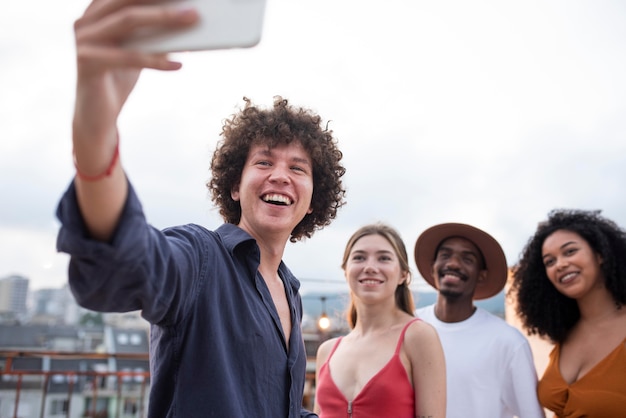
x: 489, y: 366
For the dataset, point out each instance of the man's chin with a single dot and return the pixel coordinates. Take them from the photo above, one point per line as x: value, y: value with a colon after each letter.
x: 450, y: 294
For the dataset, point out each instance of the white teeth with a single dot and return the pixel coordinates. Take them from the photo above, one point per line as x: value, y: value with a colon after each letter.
x: 567, y: 277
x: 277, y: 198
x: 370, y: 281
x: 448, y: 275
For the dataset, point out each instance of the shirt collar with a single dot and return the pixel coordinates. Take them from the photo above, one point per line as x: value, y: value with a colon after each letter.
x: 234, y: 237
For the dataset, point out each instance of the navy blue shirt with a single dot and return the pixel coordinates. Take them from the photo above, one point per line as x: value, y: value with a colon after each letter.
x: 217, y: 346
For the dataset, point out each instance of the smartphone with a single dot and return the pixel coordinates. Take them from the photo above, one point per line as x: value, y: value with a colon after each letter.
x: 223, y: 24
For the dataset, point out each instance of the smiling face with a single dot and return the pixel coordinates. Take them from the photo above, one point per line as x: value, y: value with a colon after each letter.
x: 458, y: 268
x: 572, y: 266
x: 373, y: 269
x: 275, y: 189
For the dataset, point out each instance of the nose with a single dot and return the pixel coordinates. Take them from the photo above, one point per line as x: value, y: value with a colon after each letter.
x: 279, y: 174
x: 452, y: 261
x: 561, y: 263
x: 370, y: 268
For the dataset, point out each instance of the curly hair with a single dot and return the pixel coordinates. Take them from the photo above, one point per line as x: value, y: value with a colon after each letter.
x: 542, y: 308
x: 403, y: 295
x: 279, y: 125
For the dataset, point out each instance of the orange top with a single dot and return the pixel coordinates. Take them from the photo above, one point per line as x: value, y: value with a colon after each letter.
x: 600, y: 393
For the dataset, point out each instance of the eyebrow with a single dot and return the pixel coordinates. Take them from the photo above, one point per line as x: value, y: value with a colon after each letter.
x: 300, y: 160
x: 464, y: 252
x: 375, y: 252
x: 268, y: 152
x: 560, y: 248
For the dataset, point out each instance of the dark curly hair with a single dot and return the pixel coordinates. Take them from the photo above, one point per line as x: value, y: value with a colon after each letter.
x: 542, y: 308
x: 279, y: 125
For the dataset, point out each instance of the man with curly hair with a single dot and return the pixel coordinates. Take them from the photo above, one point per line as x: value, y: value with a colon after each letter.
x: 224, y: 309
x: 489, y: 364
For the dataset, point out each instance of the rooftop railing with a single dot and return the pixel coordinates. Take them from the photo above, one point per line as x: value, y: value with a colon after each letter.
x: 53, y: 384
x: 46, y: 384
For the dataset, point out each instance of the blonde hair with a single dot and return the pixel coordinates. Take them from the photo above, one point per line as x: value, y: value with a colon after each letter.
x: 403, y: 295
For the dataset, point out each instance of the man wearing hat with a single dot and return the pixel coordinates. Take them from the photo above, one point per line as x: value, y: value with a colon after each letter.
x: 489, y: 365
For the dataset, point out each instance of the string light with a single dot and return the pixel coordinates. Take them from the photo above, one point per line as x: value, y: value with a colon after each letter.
x: 323, y: 322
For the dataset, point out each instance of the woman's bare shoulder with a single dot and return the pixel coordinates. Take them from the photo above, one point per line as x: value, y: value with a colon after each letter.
x: 324, y: 348
x: 421, y: 331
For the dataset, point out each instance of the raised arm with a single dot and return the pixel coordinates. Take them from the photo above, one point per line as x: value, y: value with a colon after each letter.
x: 428, y: 370
x: 106, y: 75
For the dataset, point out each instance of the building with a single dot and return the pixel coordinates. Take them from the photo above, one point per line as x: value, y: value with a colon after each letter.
x: 13, y: 294
x: 73, y: 371
x: 54, y: 306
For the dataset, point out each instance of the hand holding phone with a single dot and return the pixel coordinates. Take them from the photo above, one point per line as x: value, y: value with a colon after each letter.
x: 223, y: 24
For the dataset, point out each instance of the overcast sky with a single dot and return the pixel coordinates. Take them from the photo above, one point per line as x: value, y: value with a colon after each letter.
x: 483, y: 112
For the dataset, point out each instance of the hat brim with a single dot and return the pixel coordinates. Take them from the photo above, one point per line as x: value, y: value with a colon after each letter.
x: 495, y: 260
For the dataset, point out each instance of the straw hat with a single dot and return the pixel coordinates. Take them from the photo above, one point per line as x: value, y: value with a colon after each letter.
x: 497, y: 270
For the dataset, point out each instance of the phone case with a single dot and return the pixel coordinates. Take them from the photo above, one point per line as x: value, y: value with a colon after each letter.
x: 223, y: 24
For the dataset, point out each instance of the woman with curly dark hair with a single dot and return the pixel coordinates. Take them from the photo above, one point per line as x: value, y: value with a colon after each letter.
x: 570, y: 285
x: 224, y: 309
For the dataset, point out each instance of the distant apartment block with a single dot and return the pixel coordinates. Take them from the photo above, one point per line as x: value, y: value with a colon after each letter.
x: 13, y: 294
x: 54, y: 306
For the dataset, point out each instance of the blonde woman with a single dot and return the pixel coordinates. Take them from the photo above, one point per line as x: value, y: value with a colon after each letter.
x: 391, y: 364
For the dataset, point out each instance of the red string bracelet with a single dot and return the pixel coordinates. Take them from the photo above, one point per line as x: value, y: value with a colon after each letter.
x: 106, y: 173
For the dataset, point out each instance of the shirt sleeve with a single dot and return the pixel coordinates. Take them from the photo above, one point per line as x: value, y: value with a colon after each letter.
x: 141, y: 268
x: 307, y: 414
x: 520, y: 392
